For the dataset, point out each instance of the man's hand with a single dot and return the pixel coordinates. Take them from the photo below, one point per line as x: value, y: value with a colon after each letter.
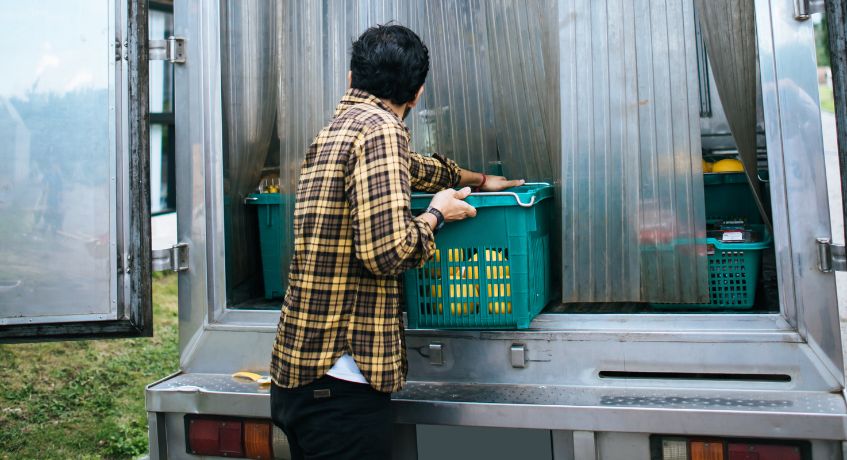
x: 498, y: 183
x: 450, y: 203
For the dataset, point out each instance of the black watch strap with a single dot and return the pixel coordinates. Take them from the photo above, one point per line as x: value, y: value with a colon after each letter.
x: 439, y: 218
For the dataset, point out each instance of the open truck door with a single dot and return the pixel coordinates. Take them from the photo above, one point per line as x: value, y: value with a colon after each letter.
x: 74, y: 181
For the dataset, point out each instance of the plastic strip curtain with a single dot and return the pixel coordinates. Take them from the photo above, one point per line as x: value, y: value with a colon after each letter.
x: 729, y: 30
x: 633, y: 225
x: 632, y: 194
x: 491, y: 93
x: 249, y: 91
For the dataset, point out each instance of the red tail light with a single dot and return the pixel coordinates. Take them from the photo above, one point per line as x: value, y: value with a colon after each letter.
x: 229, y: 437
x: 763, y: 452
x: 215, y: 437
x: 699, y: 448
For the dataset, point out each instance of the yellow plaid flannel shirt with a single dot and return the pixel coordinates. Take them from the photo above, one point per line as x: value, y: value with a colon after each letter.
x: 354, y: 236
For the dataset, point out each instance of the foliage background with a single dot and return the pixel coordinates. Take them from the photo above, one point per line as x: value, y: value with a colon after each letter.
x: 85, y: 399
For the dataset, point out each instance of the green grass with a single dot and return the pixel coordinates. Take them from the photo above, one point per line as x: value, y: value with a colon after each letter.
x: 85, y: 399
x: 827, y: 102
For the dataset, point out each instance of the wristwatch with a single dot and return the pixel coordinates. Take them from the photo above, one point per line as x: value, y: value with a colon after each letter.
x: 439, y: 218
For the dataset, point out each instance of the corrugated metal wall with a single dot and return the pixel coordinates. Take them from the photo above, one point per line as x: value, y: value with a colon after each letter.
x: 632, y: 193
x: 631, y: 188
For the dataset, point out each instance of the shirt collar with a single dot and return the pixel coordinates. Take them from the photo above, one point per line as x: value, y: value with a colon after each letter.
x: 357, y: 96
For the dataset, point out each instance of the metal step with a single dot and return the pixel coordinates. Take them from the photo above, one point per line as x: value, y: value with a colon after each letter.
x: 759, y: 413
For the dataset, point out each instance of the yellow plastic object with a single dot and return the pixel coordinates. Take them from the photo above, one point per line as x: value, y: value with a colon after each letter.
x: 495, y: 289
x: 729, y: 165
x: 462, y: 268
x: 707, y: 166
x: 260, y: 379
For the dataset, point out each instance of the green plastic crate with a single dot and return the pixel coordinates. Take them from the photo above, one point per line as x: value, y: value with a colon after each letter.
x: 728, y: 196
x: 733, y: 273
x: 271, y: 241
x: 489, y: 272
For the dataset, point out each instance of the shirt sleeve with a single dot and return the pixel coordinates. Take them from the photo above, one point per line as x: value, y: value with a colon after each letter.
x: 386, y: 238
x: 433, y: 174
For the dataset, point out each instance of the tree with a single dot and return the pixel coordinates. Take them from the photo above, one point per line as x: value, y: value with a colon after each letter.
x: 822, y: 42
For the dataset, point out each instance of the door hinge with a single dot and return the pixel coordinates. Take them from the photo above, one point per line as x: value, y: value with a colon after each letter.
x: 174, y: 258
x: 831, y: 257
x: 171, y: 50
x: 804, y: 9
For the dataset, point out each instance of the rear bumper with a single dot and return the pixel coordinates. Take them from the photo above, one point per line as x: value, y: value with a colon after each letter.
x: 760, y: 414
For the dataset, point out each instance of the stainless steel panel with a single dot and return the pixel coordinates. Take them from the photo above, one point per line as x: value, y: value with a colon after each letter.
x: 177, y: 449
x: 799, y: 198
x: 584, y: 447
x: 158, y: 439
x: 700, y: 413
x: 623, y: 445
x: 770, y: 414
x: 198, y: 117
x: 561, y: 349
x: 579, y: 357
x: 568, y: 354
x: 562, y: 443
x: 826, y: 450
x: 633, y: 223
x: 471, y: 442
x: 59, y: 197
x: 209, y: 394
x: 405, y: 438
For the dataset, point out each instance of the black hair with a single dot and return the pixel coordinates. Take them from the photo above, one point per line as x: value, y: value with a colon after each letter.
x: 390, y: 62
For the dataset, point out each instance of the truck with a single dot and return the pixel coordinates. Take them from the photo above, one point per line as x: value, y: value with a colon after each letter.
x: 619, y: 104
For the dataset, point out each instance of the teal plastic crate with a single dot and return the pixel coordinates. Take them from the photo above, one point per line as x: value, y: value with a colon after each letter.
x: 269, y: 210
x: 728, y: 196
x: 489, y: 272
x: 733, y: 273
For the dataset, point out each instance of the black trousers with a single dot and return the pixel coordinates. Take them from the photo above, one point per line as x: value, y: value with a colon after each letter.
x: 334, y: 419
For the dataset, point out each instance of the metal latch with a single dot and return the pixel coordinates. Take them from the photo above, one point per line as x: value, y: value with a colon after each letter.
x: 831, y: 257
x: 171, y: 50
x: 517, y: 355
x: 174, y: 258
x: 436, y: 354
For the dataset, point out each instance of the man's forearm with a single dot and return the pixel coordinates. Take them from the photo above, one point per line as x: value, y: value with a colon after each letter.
x: 430, y: 219
x: 470, y: 179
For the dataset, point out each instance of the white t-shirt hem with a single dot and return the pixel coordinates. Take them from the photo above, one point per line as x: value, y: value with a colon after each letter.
x: 345, y: 368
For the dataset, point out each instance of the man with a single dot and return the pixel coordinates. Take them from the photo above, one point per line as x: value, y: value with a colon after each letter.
x: 339, y: 349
